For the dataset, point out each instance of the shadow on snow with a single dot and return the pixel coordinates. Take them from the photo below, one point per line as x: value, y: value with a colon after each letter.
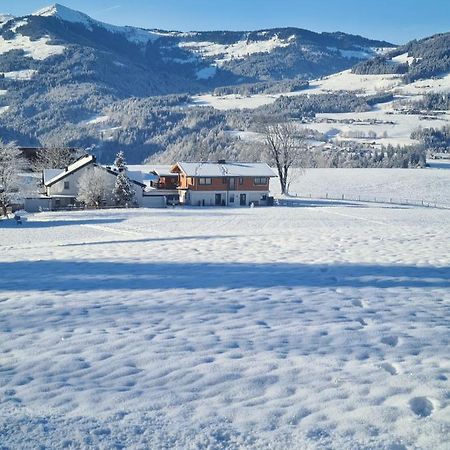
x: 11, y: 223
x: 88, y: 276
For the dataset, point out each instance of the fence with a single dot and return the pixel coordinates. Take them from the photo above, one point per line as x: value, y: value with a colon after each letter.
x: 299, y: 200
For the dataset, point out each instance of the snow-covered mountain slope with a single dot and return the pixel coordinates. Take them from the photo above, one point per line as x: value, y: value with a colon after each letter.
x: 4, y: 18
x: 212, y: 58
x: 68, y: 15
x: 63, y: 67
x: 392, y: 122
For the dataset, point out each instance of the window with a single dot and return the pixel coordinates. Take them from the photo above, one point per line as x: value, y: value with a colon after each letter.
x: 261, y: 180
x: 205, y: 181
x: 224, y: 180
x: 66, y: 185
x: 241, y: 180
x: 231, y: 198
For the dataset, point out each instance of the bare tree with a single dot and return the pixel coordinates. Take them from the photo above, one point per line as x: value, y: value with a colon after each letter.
x: 285, y: 148
x: 11, y: 164
x: 55, y: 158
x: 93, y: 187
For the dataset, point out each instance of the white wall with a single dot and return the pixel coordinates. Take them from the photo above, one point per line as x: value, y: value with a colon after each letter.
x: 196, y: 198
x: 74, y: 178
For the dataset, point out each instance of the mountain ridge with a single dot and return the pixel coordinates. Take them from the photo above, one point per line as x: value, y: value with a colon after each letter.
x: 68, y: 79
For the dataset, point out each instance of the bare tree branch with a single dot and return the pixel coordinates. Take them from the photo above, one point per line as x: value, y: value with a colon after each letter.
x: 285, y: 148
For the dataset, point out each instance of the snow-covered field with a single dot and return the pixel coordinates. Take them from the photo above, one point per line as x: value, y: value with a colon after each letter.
x: 315, y: 327
x: 390, y: 124
x: 432, y: 185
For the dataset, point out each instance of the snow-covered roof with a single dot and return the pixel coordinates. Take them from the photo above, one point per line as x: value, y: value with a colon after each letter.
x: 141, y: 177
x: 226, y: 169
x: 136, y: 177
x: 163, y: 171
x: 148, y: 170
x: 48, y: 174
x: 78, y: 164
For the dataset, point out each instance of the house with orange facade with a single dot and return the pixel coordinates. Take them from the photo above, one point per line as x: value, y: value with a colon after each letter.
x: 223, y: 183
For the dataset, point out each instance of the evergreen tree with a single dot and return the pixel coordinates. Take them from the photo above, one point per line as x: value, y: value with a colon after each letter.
x: 123, y: 190
x: 120, y: 162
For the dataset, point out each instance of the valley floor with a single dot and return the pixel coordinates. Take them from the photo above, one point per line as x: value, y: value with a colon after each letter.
x: 308, y: 328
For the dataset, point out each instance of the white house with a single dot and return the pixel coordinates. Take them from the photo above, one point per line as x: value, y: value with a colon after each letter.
x: 62, y: 186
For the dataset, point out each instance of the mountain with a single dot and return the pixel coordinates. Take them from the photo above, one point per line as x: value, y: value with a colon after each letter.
x: 426, y: 58
x: 69, y: 79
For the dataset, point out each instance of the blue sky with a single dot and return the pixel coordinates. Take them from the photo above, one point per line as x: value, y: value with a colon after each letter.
x: 393, y: 20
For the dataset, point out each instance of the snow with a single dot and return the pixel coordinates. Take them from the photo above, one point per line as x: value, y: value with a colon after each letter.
x: 38, y: 49
x: 431, y: 185
x: 420, y: 87
x: 97, y: 120
x: 84, y: 160
x: 243, y: 169
x: 18, y: 24
x: 223, y: 53
x: 403, y: 58
x: 391, y: 124
x: 206, y: 73
x: 300, y: 328
x: 49, y: 174
x: 232, y: 101
x: 341, y: 81
x: 360, y: 54
x: 21, y: 75
x: 160, y: 169
x: 64, y: 13
x: 3, y: 109
x: 397, y: 126
x: 137, y: 35
x: 4, y: 19
x: 347, y: 81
